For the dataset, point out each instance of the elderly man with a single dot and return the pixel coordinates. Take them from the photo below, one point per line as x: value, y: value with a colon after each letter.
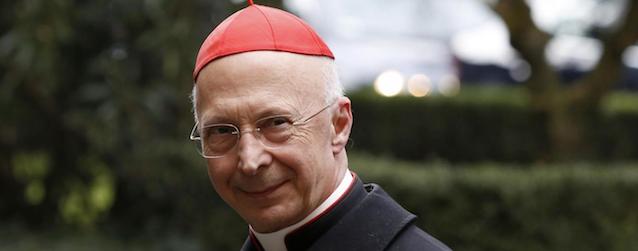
x: 272, y: 122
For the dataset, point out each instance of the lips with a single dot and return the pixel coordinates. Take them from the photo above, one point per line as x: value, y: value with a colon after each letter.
x: 262, y: 192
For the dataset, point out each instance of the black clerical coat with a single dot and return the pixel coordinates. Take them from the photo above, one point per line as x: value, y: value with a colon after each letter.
x: 365, y: 219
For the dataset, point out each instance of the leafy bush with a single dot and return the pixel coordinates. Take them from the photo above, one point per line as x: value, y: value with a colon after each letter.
x: 469, y: 207
x: 481, y: 124
x: 492, y: 207
x: 487, y: 126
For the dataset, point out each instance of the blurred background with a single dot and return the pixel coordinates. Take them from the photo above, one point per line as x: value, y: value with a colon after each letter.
x: 503, y: 124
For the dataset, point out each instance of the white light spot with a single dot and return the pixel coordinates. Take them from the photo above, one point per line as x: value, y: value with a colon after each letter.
x: 389, y: 83
x: 520, y: 71
x: 574, y: 51
x: 419, y: 85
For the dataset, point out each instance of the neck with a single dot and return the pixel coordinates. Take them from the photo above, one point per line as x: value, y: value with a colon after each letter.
x: 276, y: 240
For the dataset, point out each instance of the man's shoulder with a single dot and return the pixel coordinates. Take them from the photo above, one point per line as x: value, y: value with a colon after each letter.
x: 414, y: 238
x: 410, y: 237
x: 373, y: 221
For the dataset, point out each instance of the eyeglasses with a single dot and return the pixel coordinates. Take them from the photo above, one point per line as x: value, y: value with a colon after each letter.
x: 216, y: 140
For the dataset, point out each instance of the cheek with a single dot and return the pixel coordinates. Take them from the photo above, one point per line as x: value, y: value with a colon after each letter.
x: 313, y: 138
x: 219, y: 173
x: 305, y: 162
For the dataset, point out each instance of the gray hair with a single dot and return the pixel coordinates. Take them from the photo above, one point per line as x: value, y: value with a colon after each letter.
x: 334, y: 88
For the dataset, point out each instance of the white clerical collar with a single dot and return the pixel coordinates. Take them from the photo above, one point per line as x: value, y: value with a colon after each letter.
x: 275, y: 241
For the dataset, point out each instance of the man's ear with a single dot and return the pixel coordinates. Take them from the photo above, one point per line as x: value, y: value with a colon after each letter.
x: 341, y: 124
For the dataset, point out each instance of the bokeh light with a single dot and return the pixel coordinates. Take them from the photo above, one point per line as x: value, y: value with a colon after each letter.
x: 520, y: 71
x: 389, y: 83
x: 419, y: 85
x: 449, y: 85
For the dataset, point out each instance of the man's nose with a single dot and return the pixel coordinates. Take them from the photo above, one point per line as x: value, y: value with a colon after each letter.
x: 252, y: 153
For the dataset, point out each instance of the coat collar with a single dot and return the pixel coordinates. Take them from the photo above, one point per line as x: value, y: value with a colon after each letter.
x: 366, y: 219
x: 277, y: 240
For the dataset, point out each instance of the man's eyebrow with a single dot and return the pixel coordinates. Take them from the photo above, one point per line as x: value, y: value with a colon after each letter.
x: 219, y: 118
x: 274, y: 111
x: 214, y: 119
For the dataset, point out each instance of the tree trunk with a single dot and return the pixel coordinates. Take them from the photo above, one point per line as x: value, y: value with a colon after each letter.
x: 571, y: 111
x: 569, y: 128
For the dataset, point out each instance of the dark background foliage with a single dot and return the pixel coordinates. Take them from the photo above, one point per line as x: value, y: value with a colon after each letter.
x: 482, y: 124
x: 94, y: 118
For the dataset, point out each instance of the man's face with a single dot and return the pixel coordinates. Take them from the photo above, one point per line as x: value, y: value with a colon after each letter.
x: 270, y: 188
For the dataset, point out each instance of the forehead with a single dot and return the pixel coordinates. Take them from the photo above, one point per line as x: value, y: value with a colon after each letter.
x: 260, y: 80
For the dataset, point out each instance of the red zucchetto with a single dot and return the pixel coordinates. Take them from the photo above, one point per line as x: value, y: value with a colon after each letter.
x: 259, y: 28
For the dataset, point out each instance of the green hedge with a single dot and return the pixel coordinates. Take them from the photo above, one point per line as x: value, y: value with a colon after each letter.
x: 482, y: 123
x: 470, y: 207
x: 487, y: 207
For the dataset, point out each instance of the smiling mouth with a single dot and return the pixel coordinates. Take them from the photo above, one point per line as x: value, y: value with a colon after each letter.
x: 264, y: 192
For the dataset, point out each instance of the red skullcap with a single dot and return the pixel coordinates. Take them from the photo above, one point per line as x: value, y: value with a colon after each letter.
x: 259, y: 28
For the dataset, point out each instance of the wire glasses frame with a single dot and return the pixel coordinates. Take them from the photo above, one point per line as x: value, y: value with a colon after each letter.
x: 272, y: 131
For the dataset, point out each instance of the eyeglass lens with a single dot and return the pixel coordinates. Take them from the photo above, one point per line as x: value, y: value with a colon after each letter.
x: 217, y: 140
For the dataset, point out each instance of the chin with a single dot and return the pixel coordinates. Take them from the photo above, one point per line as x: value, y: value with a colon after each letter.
x: 273, y: 218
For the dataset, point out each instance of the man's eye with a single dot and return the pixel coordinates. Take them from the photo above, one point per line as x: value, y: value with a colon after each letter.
x: 275, y: 122
x: 220, y: 130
